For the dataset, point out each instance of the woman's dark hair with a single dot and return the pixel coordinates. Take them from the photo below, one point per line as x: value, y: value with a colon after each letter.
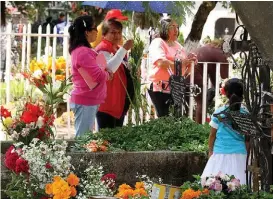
x: 164, y: 28
x: 106, y: 25
x: 77, y: 32
x: 234, y: 89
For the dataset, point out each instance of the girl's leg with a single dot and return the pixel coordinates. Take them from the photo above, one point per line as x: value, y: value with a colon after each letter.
x: 84, y: 118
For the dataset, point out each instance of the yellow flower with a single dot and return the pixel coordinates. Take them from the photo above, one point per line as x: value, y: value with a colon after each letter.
x: 48, y: 189
x: 72, y: 179
x: 8, y: 122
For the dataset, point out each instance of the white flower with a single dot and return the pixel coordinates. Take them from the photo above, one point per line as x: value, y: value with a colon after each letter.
x: 40, y: 121
x: 209, y: 181
x: 231, y: 186
x: 25, y: 132
x: 38, y: 73
x: 15, y: 135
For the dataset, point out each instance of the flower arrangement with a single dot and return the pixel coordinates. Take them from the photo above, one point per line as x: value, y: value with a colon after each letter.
x: 97, y: 145
x: 32, y: 121
x: 34, y: 166
x: 126, y: 191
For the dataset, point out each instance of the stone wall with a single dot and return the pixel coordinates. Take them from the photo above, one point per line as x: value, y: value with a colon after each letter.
x: 172, y: 166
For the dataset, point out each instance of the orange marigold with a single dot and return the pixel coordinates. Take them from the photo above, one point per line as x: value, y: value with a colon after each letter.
x: 139, y: 185
x: 48, y: 189
x: 190, y: 194
x: 73, y: 191
x: 73, y: 180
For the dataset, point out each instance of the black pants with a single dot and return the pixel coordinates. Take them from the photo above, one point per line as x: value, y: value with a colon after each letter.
x: 108, y: 121
x: 161, y: 102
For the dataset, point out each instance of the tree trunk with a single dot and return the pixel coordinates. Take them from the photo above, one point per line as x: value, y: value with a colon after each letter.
x: 3, y: 13
x: 200, y: 19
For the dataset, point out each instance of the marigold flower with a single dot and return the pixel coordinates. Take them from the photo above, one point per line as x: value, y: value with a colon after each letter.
x: 72, y: 179
x: 139, y: 185
x: 73, y: 191
x: 190, y: 194
x: 48, y: 189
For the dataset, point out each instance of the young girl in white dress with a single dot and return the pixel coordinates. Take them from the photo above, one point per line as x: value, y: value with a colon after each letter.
x: 227, y: 148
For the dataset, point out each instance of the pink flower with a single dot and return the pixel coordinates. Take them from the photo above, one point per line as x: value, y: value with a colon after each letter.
x: 218, y: 186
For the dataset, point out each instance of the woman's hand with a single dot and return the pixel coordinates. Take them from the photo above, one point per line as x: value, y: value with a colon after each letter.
x: 128, y: 44
x: 192, y: 57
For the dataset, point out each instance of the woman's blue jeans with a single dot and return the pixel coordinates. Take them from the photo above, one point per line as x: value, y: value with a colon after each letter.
x: 84, y: 118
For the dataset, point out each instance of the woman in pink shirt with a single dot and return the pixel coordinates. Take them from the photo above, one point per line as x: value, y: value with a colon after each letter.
x: 89, y: 80
x: 162, y: 52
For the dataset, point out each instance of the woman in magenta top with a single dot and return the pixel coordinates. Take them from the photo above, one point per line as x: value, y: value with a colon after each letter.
x: 89, y: 80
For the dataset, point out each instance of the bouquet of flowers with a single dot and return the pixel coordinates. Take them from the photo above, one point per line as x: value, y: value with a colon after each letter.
x: 97, y: 145
x: 34, y: 166
x: 221, y: 183
x: 32, y: 121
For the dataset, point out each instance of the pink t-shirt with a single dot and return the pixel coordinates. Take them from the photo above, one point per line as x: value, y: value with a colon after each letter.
x: 85, y: 58
x: 159, y: 49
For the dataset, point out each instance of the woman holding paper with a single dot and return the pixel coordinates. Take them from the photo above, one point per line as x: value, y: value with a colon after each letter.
x: 89, y: 80
x: 162, y: 53
x: 111, y: 113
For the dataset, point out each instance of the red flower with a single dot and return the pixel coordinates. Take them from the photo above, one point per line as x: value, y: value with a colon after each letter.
x: 222, y: 91
x: 5, y: 113
x: 28, y: 117
x: 49, y: 120
x: 48, y: 165
x: 109, y: 180
x: 11, y: 157
x: 34, y: 109
x: 43, y: 133
x: 22, y: 166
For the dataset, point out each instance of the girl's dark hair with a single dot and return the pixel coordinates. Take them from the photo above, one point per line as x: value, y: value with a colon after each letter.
x: 106, y: 25
x: 77, y: 32
x: 234, y: 89
x: 164, y: 28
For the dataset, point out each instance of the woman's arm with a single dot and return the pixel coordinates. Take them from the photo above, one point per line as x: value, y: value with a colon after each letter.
x: 114, y: 62
x: 212, y: 137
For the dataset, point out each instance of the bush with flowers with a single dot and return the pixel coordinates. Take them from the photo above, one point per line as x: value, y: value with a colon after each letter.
x: 221, y: 186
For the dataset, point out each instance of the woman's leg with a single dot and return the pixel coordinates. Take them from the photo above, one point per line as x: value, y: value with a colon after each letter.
x: 84, y: 118
x: 105, y: 120
x: 161, y: 102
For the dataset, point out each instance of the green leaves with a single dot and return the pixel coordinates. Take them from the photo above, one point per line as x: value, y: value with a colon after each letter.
x: 168, y: 133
